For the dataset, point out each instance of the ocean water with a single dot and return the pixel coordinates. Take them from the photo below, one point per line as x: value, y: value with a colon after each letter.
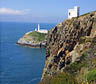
x: 19, y: 64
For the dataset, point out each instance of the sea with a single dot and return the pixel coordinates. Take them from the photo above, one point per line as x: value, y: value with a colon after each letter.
x: 20, y: 64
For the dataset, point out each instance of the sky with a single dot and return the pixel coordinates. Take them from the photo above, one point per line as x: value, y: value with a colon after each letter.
x: 41, y: 11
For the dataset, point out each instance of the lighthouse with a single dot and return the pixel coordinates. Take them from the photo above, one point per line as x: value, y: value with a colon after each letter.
x: 38, y: 27
x: 41, y: 30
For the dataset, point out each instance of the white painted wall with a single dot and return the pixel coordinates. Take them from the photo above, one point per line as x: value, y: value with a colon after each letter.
x: 73, y: 12
x: 43, y: 31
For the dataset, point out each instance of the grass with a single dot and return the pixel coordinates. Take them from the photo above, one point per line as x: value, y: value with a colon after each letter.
x: 60, y: 78
x: 85, y: 39
x: 87, y: 13
x: 95, y: 41
x: 75, y: 73
x: 37, y: 36
x: 63, y: 78
x: 91, y: 76
x: 74, y: 67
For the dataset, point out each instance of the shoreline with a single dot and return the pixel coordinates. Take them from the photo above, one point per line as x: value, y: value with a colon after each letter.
x: 32, y: 46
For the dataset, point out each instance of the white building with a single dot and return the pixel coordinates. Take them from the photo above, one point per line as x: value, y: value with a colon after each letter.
x: 41, y: 30
x: 73, y: 12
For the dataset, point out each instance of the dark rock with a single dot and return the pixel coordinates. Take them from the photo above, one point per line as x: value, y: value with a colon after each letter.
x: 64, y: 37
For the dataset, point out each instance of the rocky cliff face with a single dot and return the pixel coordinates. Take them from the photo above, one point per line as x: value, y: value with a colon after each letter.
x: 68, y: 41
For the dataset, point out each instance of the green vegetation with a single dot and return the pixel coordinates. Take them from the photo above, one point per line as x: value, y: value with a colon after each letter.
x: 85, y: 39
x: 76, y: 66
x: 91, y: 76
x: 81, y: 72
x: 82, y: 40
x: 95, y: 41
x: 63, y: 78
x: 60, y: 78
x: 87, y: 13
x: 37, y: 36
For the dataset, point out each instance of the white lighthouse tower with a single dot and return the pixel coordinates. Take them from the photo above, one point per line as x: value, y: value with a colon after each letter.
x: 73, y: 12
x: 38, y: 27
x: 41, y: 30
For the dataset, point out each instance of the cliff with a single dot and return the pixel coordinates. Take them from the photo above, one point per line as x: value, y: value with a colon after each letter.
x: 71, y: 52
x: 33, y: 39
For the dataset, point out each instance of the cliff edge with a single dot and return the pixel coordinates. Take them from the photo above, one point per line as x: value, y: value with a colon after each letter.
x: 71, y: 51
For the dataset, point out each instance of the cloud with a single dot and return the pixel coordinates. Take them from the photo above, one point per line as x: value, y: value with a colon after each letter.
x: 13, y: 12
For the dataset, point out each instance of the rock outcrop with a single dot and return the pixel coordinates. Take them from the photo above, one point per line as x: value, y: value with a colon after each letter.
x: 67, y: 42
x: 33, y: 39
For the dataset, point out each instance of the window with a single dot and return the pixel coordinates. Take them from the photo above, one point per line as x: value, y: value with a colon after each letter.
x: 69, y: 13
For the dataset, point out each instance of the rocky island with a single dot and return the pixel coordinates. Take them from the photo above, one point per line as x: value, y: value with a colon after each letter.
x: 33, y: 39
x: 71, y: 52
